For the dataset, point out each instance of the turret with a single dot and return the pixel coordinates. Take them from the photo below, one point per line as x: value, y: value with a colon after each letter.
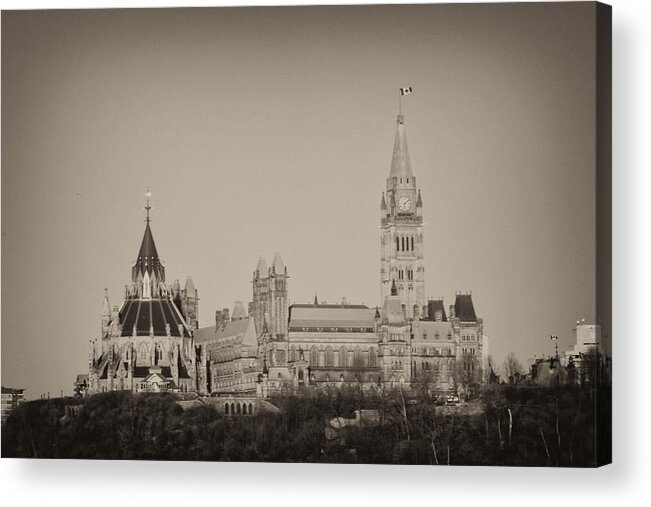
x: 106, y: 312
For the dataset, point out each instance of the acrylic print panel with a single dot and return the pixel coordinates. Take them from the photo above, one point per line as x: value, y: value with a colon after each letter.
x: 371, y: 234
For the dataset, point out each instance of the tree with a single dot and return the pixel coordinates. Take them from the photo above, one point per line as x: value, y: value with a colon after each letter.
x: 512, y: 367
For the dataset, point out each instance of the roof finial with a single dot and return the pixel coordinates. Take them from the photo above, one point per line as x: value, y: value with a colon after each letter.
x: 148, y: 206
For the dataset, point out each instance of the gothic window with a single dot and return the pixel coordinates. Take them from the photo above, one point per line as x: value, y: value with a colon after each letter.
x: 329, y: 356
x: 142, y: 359
x: 232, y: 408
x: 402, y: 243
x: 412, y: 243
x: 343, y: 357
x: 314, y: 356
x: 372, y: 357
x: 244, y: 409
x: 358, y: 360
x: 250, y: 409
x: 397, y: 244
x: 226, y: 408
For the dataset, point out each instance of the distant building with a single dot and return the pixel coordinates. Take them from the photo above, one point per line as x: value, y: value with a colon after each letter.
x: 11, y: 398
x: 585, y: 361
x: 406, y: 341
x: 146, y: 343
x: 81, y: 385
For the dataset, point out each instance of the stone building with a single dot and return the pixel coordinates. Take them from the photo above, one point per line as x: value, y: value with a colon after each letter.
x: 146, y: 343
x: 228, y: 356
x: 406, y: 341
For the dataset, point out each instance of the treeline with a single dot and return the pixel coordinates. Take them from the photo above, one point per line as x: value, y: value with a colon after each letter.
x: 517, y: 426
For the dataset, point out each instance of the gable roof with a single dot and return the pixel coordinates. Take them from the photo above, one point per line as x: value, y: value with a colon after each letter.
x: 244, y: 328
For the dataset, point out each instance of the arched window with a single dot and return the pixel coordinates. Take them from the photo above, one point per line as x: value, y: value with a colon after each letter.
x: 402, y: 242
x: 250, y: 409
x: 244, y: 409
x: 412, y: 242
x: 343, y: 356
x: 226, y: 408
x: 232, y: 408
x: 372, y: 357
x: 358, y: 359
x: 143, y: 358
x: 314, y: 356
x: 329, y: 356
x: 397, y: 244
x: 239, y: 408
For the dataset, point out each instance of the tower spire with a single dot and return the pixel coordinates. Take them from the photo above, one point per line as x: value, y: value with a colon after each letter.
x: 148, y: 206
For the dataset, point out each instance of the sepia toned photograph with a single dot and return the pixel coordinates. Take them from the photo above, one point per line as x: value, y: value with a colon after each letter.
x: 320, y: 234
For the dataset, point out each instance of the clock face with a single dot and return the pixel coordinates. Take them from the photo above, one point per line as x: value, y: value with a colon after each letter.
x: 404, y: 204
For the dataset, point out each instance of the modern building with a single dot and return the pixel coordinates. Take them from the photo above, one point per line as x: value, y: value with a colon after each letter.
x: 11, y: 398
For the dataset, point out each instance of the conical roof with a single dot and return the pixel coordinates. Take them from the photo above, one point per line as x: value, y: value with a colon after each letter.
x: 189, y: 287
x: 278, y: 264
x: 262, y: 267
x: 148, y: 260
x: 238, y: 311
x: 400, y: 164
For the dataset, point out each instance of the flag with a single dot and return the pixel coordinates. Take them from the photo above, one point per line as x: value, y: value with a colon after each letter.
x: 406, y: 91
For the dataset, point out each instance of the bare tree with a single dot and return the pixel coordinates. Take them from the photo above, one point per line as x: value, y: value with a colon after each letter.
x: 512, y: 366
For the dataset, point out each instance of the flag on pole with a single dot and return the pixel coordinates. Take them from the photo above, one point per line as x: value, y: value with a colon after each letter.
x: 406, y: 91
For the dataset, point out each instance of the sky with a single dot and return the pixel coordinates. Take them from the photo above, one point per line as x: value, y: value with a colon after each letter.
x: 263, y: 130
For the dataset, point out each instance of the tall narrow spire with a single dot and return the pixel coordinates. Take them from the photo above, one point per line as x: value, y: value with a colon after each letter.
x: 148, y: 261
x: 400, y: 164
x: 148, y: 206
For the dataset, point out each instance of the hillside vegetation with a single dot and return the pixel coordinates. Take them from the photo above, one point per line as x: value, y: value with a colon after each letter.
x: 515, y: 426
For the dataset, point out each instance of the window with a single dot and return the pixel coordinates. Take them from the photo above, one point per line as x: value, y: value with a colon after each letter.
x: 402, y: 238
x: 424, y: 335
x: 226, y: 408
x: 314, y: 356
x: 397, y: 244
x: 358, y: 360
x: 372, y: 357
x: 343, y: 357
x: 412, y: 243
x: 329, y: 356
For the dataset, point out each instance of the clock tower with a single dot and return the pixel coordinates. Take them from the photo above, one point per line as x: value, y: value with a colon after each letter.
x: 402, y: 231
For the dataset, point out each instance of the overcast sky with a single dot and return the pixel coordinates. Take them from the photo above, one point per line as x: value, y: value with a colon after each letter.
x: 267, y: 130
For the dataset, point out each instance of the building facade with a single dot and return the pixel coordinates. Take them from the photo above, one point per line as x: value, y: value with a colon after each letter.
x: 11, y: 398
x: 146, y: 343
x: 406, y: 341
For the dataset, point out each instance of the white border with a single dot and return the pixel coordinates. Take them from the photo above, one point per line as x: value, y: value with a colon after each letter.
x: 24, y: 482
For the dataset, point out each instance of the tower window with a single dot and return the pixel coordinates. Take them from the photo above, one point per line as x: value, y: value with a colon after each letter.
x: 397, y: 244
x: 403, y: 243
x: 412, y: 243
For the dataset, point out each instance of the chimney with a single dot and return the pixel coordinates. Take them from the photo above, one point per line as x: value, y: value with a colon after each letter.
x: 451, y: 311
x: 226, y: 314
x: 219, y: 318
